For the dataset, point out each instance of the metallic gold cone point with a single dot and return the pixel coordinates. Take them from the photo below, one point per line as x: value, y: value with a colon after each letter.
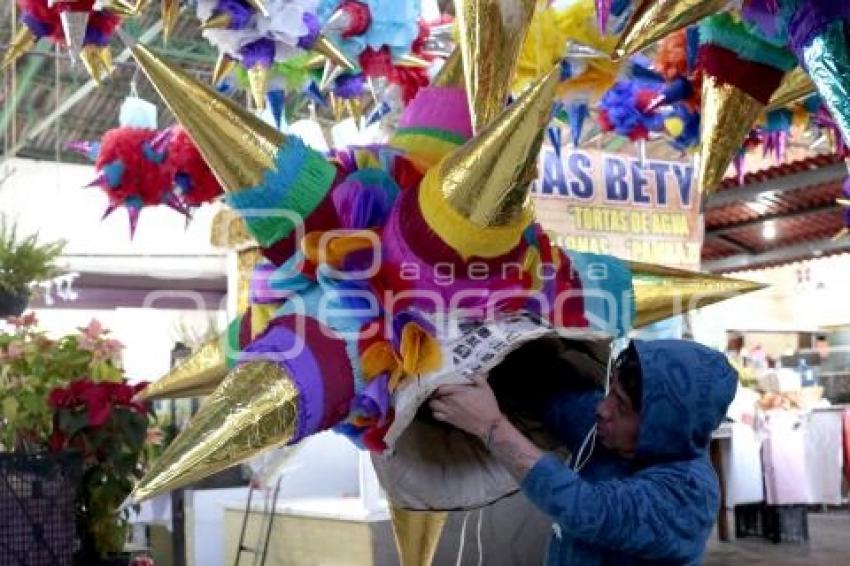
x: 315, y: 60
x: 417, y: 534
x: 655, y: 19
x: 223, y: 66
x: 258, y: 78
x: 728, y: 115
x: 491, y: 36
x: 412, y: 61
x: 795, y: 85
x: 260, y: 6
x: 253, y: 410
x: 170, y: 13
x: 238, y: 146
x: 355, y: 109
x: 332, y: 51
x: 451, y: 73
x: 197, y: 375
x: 219, y: 21
x: 329, y: 75
x: 23, y: 41
x: 661, y: 292
x: 93, y: 63
x: 843, y: 202
x: 105, y: 54
x: 486, y: 180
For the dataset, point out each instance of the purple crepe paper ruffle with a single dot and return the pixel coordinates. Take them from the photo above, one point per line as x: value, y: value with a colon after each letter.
x: 260, y: 52
x: 812, y: 18
x: 313, y: 28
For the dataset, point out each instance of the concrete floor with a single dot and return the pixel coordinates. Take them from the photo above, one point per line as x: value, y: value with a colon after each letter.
x: 829, y: 544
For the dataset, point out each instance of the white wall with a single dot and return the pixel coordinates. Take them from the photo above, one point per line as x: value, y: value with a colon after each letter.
x: 802, y: 296
x: 48, y: 198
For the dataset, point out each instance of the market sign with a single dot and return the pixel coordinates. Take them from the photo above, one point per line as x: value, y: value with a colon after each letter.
x: 614, y: 204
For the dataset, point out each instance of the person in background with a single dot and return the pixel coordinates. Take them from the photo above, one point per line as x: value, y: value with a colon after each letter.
x: 640, y: 488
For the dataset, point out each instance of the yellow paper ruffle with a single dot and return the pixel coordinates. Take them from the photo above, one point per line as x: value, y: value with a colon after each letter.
x: 465, y: 237
x: 420, y: 352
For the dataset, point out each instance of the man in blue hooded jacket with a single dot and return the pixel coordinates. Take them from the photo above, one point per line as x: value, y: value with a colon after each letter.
x: 644, y: 492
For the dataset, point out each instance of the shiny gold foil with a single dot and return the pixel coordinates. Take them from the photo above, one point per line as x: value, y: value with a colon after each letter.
x: 260, y: 6
x: 23, y: 41
x: 238, y: 146
x: 170, y: 13
x: 333, y: 53
x: 354, y: 107
x: 246, y: 260
x: 223, y: 65
x: 661, y: 292
x: 229, y: 231
x: 486, y: 180
x: 411, y: 61
x: 728, y: 115
x: 94, y: 63
x: 827, y: 57
x: 105, y: 54
x: 795, y: 85
x: 219, y: 21
x: 491, y: 37
x: 258, y: 78
x: 253, y: 410
x: 451, y: 73
x: 417, y: 534
x: 197, y: 375
x: 655, y: 19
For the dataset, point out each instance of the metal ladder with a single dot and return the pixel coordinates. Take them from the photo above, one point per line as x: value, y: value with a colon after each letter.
x: 264, y: 534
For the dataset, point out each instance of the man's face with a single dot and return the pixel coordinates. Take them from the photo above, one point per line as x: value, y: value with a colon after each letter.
x: 617, y: 422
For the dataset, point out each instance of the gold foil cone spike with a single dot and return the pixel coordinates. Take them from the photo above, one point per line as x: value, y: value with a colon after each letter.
x: 259, y: 5
x: 486, y: 179
x: 170, y: 12
x: 795, y: 85
x: 333, y: 53
x: 97, y: 61
x: 223, y: 66
x: 219, y: 21
x: 197, y: 375
x: 491, y: 37
x: 23, y: 41
x: 258, y: 78
x: 728, y: 115
x: 661, y: 292
x: 253, y: 410
x: 412, y: 61
x: 656, y: 19
x: 238, y: 146
x: 451, y: 73
x: 417, y: 534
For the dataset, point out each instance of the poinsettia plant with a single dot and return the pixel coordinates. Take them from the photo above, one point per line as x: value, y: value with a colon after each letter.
x: 102, y: 422
x: 32, y: 364
x: 69, y: 395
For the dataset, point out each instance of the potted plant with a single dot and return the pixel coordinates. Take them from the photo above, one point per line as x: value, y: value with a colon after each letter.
x: 67, y: 398
x: 22, y: 262
x: 101, y: 422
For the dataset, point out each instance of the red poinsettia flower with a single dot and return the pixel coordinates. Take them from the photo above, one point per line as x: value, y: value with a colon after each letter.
x: 61, y: 398
x: 57, y: 441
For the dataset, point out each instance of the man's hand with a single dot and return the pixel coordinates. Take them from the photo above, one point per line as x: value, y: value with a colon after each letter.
x: 472, y: 408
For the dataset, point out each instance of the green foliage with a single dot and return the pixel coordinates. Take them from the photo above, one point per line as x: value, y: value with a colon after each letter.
x: 24, y: 260
x: 31, y: 365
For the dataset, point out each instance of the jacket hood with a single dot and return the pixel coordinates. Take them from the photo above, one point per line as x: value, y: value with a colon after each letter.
x: 686, y: 390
